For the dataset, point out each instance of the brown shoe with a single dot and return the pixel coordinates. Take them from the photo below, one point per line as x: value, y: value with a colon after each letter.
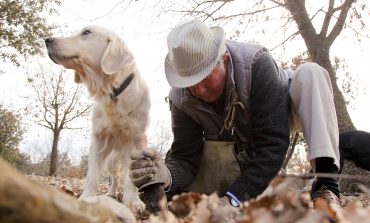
x: 327, y: 196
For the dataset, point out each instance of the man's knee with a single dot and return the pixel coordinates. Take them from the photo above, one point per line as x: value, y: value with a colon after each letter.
x: 311, y: 72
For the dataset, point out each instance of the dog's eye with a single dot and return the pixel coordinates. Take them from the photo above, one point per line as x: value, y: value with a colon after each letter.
x: 86, y: 32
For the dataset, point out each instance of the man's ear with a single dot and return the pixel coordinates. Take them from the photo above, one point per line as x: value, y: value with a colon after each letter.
x: 115, y: 57
x: 226, y: 57
x: 77, y: 78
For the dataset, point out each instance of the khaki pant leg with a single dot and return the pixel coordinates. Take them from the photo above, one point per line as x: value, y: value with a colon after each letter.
x: 313, y: 106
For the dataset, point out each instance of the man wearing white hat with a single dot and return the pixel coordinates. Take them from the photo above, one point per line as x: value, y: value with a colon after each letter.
x: 230, y: 108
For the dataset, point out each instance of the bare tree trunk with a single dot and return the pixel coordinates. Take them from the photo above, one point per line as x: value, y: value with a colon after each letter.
x: 22, y: 200
x: 58, y: 104
x: 318, y: 46
x: 54, y: 153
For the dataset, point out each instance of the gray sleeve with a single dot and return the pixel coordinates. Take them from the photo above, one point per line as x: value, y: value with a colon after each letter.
x: 270, y: 129
x: 183, y: 159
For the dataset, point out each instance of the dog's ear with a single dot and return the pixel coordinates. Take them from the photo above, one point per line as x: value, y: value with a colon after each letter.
x: 77, y: 78
x: 115, y: 57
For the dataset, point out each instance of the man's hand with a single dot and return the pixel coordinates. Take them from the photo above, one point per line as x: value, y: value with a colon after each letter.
x: 147, y: 168
x: 224, y: 201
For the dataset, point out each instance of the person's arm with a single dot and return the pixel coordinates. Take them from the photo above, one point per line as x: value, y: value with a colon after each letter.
x: 183, y: 159
x: 270, y: 129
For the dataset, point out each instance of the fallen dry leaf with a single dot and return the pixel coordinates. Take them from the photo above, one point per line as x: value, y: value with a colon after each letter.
x: 284, y: 202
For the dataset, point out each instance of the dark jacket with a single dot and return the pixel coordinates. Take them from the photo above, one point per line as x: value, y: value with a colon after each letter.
x: 263, y: 125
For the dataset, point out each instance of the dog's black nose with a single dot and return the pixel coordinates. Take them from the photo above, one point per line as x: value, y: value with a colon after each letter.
x: 49, y: 41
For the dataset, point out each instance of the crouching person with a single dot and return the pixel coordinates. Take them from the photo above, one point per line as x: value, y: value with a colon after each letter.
x: 229, y: 106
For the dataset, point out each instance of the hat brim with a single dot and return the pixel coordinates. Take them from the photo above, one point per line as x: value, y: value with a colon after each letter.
x: 177, y: 81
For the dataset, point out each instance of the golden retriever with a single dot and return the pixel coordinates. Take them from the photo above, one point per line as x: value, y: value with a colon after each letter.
x: 103, y: 62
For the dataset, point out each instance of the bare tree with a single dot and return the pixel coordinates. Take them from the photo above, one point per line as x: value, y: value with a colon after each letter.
x: 11, y: 133
x: 297, y: 20
x: 55, y: 105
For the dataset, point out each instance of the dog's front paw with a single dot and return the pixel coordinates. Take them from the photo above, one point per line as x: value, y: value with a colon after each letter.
x: 135, y: 204
x: 116, y: 207
x: 110, y: 195
x: 86, y: 195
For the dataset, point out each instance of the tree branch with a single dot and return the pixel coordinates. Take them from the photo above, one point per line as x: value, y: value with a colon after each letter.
x: 338, y: 27
x: 326, y: 22
x: 286, y: 40
x: 300, y: 16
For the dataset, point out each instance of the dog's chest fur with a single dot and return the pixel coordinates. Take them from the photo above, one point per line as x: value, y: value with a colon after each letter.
x: 111, y: 123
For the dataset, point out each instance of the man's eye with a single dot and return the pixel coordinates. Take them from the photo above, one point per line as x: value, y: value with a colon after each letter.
x: 86, y: 32
x: 209, y: 77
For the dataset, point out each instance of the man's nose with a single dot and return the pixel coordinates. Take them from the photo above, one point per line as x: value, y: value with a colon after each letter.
x: 199, y: 89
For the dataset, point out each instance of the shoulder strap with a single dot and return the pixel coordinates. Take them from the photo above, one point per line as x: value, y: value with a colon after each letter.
x: 243, y: 151
x: 230, y: 117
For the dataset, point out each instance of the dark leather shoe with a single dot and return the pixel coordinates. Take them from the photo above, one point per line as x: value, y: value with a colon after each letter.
x: 326, y: 195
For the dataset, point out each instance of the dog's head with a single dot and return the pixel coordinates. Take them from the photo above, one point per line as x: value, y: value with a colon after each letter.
x: 92, y: 49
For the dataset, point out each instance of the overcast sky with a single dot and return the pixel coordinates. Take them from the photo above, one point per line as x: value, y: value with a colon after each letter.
x: 145, y: 34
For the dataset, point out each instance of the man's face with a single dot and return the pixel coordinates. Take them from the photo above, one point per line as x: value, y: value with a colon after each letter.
x: 211, y: 88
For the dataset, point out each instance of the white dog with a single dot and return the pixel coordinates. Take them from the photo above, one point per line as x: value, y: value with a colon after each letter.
x: 121, y: 110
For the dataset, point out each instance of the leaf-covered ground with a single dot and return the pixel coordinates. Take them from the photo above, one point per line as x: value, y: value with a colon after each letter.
x: 285, y: 202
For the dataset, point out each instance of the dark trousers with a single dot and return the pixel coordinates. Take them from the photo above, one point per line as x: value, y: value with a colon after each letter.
x: 355, y: 146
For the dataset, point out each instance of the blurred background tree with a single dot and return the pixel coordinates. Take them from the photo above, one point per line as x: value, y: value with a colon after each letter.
x: 10, y: 135
x: 23, y: 27
x: 55, y: 104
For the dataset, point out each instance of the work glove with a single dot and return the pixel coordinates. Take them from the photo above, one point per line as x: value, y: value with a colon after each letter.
x: 148, y: 168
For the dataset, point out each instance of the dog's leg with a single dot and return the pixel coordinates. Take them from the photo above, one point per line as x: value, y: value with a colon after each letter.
x: 95, y: 162
x: 130, y: 192
x: 114, y: 167
x: 153, y: 194
x: 113, y: 186
x: 140, y: 142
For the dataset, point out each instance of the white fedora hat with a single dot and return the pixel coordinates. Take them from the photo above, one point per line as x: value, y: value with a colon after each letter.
x: 193, y: 51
